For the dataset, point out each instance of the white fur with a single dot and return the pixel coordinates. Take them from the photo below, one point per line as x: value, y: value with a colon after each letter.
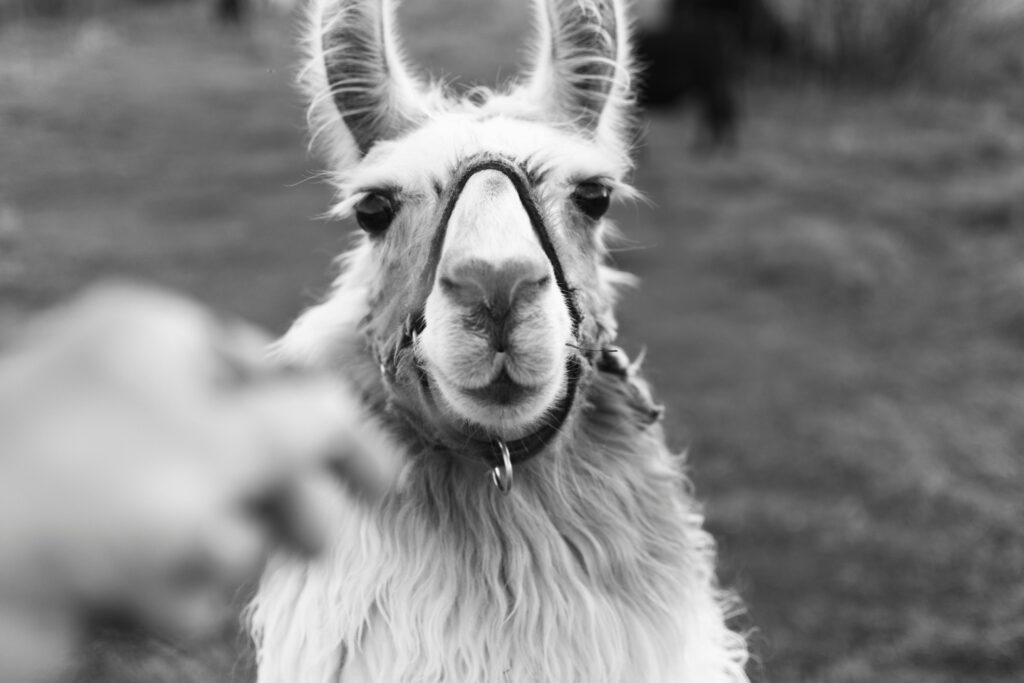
x: 409, y: 607
x: 490, y: 223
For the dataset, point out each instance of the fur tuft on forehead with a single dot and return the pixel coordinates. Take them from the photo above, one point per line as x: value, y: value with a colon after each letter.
x: 425, y: 159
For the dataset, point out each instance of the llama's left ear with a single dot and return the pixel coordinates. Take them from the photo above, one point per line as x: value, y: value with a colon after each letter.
x: 582, y: 68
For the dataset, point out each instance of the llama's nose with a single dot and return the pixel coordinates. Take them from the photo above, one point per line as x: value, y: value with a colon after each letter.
x: 497, y: 288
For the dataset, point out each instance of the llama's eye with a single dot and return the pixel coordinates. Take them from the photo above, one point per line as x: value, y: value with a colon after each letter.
x: 592, y: 198
x: 374, y: 213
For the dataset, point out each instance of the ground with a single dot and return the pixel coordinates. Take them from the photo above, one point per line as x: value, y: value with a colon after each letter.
x: 833, y: 313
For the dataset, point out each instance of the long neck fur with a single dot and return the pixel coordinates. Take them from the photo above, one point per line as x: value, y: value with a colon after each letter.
x: 596, y: 568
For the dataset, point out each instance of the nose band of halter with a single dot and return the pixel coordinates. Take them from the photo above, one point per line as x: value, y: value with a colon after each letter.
x: 530, y: 205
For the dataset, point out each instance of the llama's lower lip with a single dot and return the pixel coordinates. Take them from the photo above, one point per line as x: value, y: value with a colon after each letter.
x: 503, y: 391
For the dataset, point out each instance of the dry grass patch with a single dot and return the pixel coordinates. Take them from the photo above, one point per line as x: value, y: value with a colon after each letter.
x: 840, y: 264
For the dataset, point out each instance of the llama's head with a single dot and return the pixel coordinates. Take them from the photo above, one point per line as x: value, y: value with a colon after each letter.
x: 480, y: 279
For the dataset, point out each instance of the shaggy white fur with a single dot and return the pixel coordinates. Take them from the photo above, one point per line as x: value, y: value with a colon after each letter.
x: 595, y: 568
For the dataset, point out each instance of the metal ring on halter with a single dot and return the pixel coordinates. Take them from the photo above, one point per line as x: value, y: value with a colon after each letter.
x: 501, y: 475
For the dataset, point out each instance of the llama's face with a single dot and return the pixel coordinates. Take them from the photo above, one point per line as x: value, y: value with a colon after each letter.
x: 457, y: 215
x: 483, y: 219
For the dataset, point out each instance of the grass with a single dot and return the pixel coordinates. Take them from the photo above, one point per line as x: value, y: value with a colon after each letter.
x: 834, y: 314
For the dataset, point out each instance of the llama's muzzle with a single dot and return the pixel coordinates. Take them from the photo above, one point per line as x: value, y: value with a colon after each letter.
x: 490, y: 293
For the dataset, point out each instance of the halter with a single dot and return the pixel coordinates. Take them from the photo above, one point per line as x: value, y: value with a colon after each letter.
x: 499, y: 454
x: 529, y: 202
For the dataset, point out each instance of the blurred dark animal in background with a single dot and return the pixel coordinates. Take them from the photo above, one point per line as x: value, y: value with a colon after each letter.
x: 231, y: 11
x: 697, y: 57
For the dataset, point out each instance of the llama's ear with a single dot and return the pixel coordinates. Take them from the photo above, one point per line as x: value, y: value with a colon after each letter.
x: 582, y: 63
x: 357, y: 69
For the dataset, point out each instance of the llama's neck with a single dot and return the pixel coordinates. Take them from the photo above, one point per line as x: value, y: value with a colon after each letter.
x: 607, y: 475
x: 594, y: 568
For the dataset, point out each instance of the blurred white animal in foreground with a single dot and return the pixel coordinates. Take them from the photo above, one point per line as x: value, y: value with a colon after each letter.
x: 149, y: 453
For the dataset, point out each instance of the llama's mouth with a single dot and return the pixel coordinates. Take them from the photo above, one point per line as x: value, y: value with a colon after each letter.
x: 503, y: 391
x: 412, y: 328
x: 501, y: 405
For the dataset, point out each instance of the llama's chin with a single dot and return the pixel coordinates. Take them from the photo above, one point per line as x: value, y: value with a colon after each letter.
x: 504, y: 407
x: 506, y: 391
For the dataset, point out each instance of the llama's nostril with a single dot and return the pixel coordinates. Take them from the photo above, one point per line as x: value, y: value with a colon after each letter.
x: 449, y: 285
x: 463, y: 290
x: 540, y: 283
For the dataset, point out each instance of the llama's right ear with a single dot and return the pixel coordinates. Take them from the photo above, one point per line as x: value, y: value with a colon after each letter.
x: 356, y: 69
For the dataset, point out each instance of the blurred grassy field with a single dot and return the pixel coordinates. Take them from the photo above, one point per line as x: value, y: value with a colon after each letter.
x: 834, y: 314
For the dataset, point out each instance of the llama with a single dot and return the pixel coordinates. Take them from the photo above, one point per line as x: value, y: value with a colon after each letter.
x: 539, y: 530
